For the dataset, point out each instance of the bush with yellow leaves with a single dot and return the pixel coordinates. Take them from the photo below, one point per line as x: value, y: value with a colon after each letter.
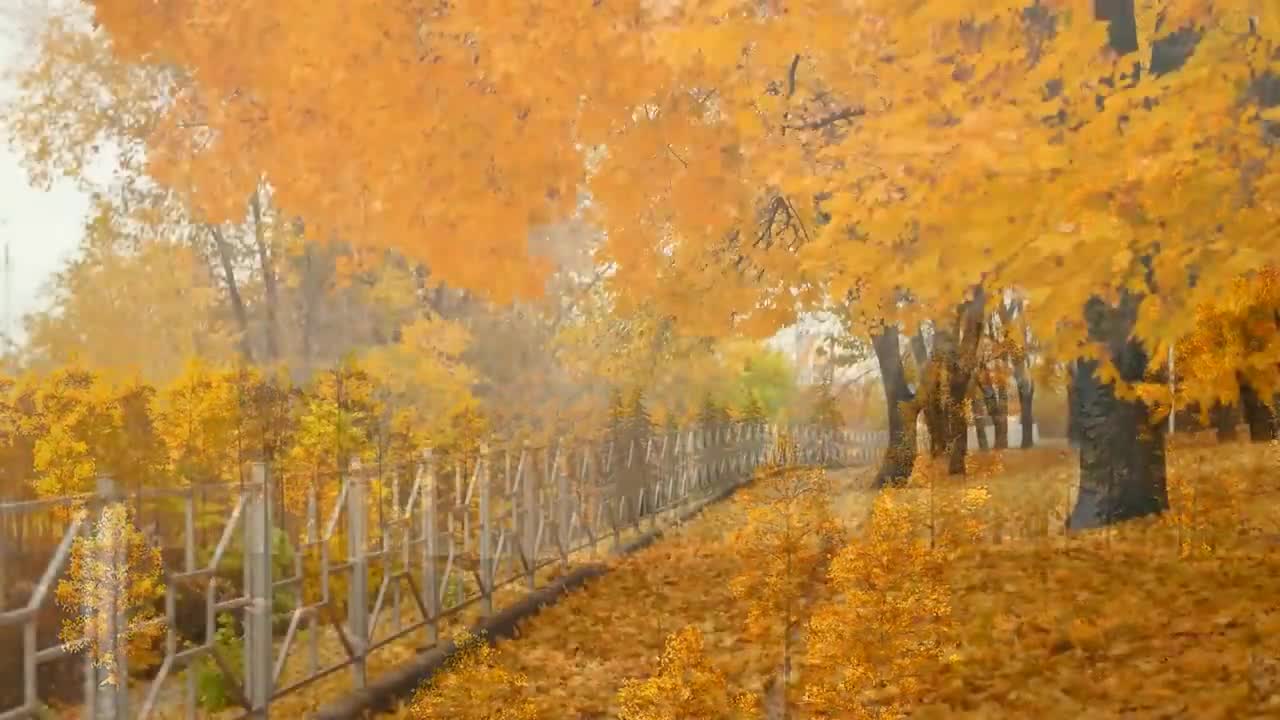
x: 787, y: 531
x: 687, y: 686
x: 474, y: 685
x: 109, y: 593
x: 888, y: 622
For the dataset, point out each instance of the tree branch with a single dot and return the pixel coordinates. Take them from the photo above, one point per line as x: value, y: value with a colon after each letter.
x: 844, y: 115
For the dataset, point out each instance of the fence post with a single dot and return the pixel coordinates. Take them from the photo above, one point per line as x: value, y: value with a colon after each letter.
x: 685, y: 463
x: 258, y: 651
x: 704, y: 451
x: 717, y: 431
x: 652, y: 480
x: 486, y: 531
x: 529, y: 488
x: 110, y: 701
x: 358, y: 587
x: 430, y: 583
x: 562, y: 505
x: 4, y: 556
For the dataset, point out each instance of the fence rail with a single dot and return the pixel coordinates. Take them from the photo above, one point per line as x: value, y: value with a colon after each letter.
x: 371, y: 556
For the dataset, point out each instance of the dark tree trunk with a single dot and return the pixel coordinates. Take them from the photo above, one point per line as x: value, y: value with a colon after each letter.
x: 1257, y: 413
x: 999, y: 416
x: 227, y: 261
x: 1002, y: 405
x: 1122, y: 452
x: 979, y: 422
x: 1021, y: 375
x: 962, y: 360
x: 930, y: 395
x: 1224, y: 421
x: 900, y: 455
x: 1122, y: 26
x: 1073, y: 407
x: 269, y: 287
x: 1026, y: 396
x: 935, y: 417
x: 957, y: 423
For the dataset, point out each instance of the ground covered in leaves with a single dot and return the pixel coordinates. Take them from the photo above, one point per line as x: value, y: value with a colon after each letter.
x: 1171, y: 618
x: 577, y: 654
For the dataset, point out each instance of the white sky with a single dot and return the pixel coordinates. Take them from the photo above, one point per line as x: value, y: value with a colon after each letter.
x: 42, y: 228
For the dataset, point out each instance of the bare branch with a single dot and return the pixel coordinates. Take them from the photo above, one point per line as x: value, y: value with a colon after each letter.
x: 844, y: 115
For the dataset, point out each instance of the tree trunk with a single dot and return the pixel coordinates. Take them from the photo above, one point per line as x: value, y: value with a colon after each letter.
x: 979, y: 422
x: 935, y: 417
x: 1021, y: 375
x: 1224, y: 421
x: 900, y: 455
x: 930, y: 395
x: 308, y: 300
x: 999, y: 416
x: 267, y: 266
x: 227, y: 261
x: 1073, y: 408
x: 1002, y: 408
x: 1122, y: 452
x: 1026, y: 396
x: 962, y: 359
x: 1257, y: 413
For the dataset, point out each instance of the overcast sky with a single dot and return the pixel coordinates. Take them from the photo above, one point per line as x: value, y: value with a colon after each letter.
x: 41, y: 227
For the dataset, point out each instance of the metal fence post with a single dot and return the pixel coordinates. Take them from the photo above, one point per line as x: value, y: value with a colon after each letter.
x: 686, y: 467
x: 528, y: 479
x: 110, y: 701
x: 652, y: 484
x: 358, y: 587
x: 562, y: 505
x: 430, y: 583
x: 706, y: 458
x: 258, y: 651
x: 486, y: 531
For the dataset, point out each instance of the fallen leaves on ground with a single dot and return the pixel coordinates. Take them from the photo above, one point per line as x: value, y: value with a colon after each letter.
x: 1169, y: 617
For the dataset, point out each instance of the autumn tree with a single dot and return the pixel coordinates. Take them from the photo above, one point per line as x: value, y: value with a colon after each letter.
x: 757, y: 373
x: 121, y: 293
x: 474, y: 685
x: 336, y: 425
x: 82, y: 425
x: 868, y: 647
x: 784, y: 539
x: 686, y: 686
x: 1231, y: 359
x: 197, y: 417
x: 958, y: 123
x: 110, y: 595
x: 825, y: 413
x: 154, y: 267
x: 424, y: 384
x: 753, y: 412
x: 944, y: 161
x: 78, y: 106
